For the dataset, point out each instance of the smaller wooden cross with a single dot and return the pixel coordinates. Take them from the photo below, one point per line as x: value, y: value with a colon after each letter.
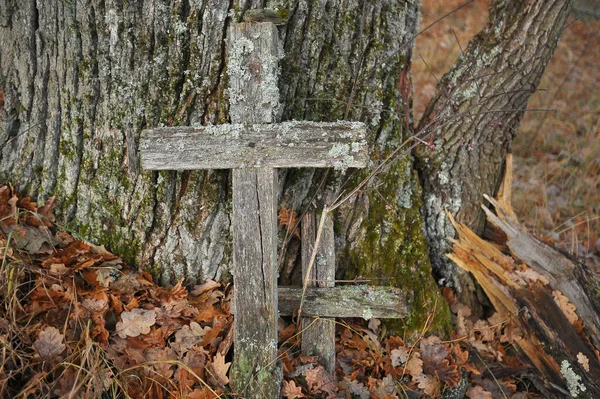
x: 254, y: 146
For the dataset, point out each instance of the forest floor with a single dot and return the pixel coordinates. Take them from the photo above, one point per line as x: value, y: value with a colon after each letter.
x: 63, y: 300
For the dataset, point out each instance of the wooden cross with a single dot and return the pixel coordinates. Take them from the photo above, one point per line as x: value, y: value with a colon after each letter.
x: 254, y: 146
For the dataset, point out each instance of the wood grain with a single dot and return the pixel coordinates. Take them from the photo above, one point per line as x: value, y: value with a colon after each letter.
x: 345, y: 301
x: 318, y: 335
x: 285, y: 145
x: 255, y: 371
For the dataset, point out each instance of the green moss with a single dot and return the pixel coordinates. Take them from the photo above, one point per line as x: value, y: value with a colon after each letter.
x: 392, y: 251
x: 245, y: 379
x: 114, y: 240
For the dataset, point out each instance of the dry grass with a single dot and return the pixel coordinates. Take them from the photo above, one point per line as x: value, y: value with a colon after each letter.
x: 557, y: 154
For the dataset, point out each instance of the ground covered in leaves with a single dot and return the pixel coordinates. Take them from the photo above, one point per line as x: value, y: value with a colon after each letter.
x: 76, y: 322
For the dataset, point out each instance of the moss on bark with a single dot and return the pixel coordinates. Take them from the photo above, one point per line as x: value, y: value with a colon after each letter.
x: 391, y: 250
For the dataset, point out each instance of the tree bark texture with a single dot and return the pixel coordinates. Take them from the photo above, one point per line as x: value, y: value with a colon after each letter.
x: 82, y: 81
x: 471, y: 122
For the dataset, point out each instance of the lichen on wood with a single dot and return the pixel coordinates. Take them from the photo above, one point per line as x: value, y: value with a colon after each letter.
x: 82, y: 81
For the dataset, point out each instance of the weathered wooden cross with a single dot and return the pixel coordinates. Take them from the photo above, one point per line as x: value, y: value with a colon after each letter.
x: 254, y: 146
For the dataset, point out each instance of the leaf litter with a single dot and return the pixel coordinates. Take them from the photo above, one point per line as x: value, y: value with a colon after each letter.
x: 77, y: 321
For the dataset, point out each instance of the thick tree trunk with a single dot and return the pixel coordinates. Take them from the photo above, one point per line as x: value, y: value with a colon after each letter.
x: 82, y: 81
x: 475, y: 115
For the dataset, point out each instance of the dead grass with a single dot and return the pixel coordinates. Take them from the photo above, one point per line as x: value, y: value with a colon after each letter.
x: 557, y: 154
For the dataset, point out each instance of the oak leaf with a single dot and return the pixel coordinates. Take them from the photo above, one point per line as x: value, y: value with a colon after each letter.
x: 135, y: 323
x: 584, y: 361
x: 414, y: 366
x: 357, y: 389
x: 290, y: 390
x: 207, y: 285
x: 532, y: 276
x: 399, y: 356
x: 385, y: 388
x: 204, y: 393
x: 567, y: 307
x: 478, y: 393
x: 429, y: 384
x: 289, y: 219
x: 49, y: 343
x: 218, y: 368
x: 319, y: 381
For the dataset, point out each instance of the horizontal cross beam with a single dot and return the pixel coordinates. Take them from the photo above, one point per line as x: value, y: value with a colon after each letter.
x: 345, y: 301
x: 284, y: 145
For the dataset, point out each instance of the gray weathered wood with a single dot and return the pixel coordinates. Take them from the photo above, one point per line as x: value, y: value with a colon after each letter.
x: 318, y: 335
x: 284, y: 145
x: 253, y: 149
x: 255, y: 282
x: 345, y: 301
x: 254, y: 99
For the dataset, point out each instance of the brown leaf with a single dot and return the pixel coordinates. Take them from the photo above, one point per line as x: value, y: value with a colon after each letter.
x: 219, y: 369
x: 290, y: 390
x: 50, y: 343
x: 432, y: 350
x: 385, y: 387
x: 429, y: 384
x: 207, y: 285
x: 204, y: 393
x: 136, y: 322
x: 478, y: 393
x: 399, y: 356
x: 584, y: 361
x: 414, y: 366
x: 567, y: 307
x: 356, y: 388
x: 46, y: 211
x: 289, y: 219
x: 319, y: 381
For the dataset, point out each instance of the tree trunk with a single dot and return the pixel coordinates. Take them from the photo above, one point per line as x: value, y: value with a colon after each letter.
x: 475, y: 115
x: 81, y: 82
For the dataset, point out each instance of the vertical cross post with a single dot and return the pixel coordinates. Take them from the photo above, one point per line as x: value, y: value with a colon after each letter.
x: 254, y: 146
x: 254, y: 98
x: 318, y: 335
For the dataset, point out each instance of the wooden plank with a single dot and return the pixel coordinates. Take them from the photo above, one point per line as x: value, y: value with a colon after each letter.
x: 318, y: 335
x: 253, y: 73
x: 253, y: 67
x: 284, y: 145
x: 345, y: 301
x: 255, y: 278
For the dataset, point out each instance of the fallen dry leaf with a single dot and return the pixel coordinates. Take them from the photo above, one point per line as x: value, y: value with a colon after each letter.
x: 429, y: 384
x: 207, y: 285
x: 567, y: 307
x: 584, y: 361
x: 135, y: 323
x: 50, y: 343
x: 478, y: 393
x: 357, y: 389
x: 319, y: 381
x: 532, y: 276
x: 414, y: 366
x: 219, y: 369
x: 289, y: 219
x: 290, y: 390
x: 385, y: 388
x: 399, y: 356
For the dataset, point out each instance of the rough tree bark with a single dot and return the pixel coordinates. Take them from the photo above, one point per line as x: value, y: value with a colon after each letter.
x: 472, y: 120
x: 81, y: 81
